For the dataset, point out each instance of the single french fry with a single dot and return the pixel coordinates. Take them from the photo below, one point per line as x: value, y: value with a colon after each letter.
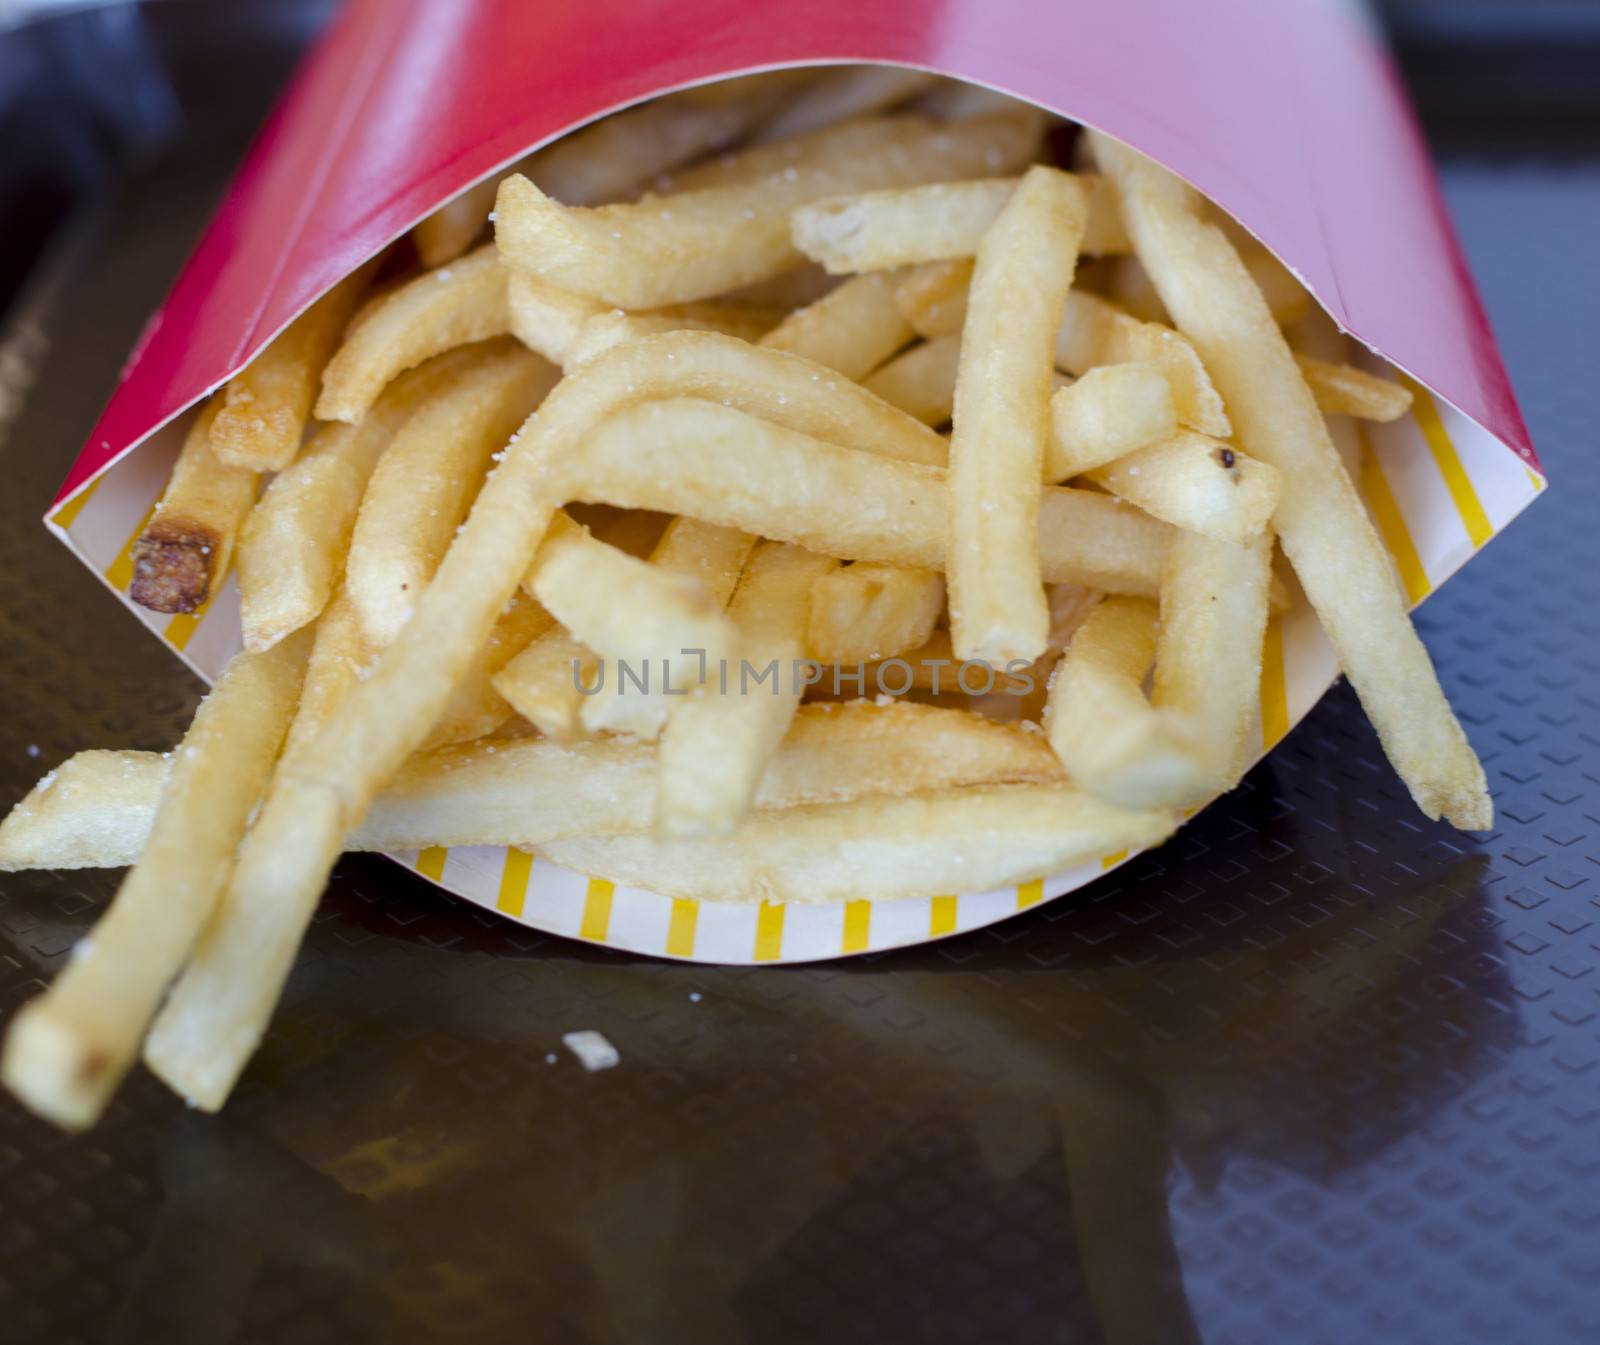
x: 421, y: 488
x: 921, y: 382
x: 875, y: 850
x: 547, y: 319
x: 713, y: 556
x: 319, y: 797
x: 1196, y: 483
x: 1130, y: 289
x: 1325, y: 531
x: 1286, y: 298
x: 570, y: 329
x: 94, y: 811
x: 181, y: 557
x: 696, y: 244
x: 476, y: 708
x: 941, y: 221
x: 266, y: 405
x: 1109, y: 737
x: 545, y: 680
x: 546, y: 683
x: 899, y: 226
x: 863, y: 612
x: 438, y: 311
x: 293, y: 542
x: 837, y: 95
x: 718, y: 739
x: 1002, y: 419
x: 608, y: 161
x: 626, y: 608
x: 1110, y: 411
x: 852, y: 329
x: 1214, y: 600
x: 1342, y: 389
x: 1093, y: 332
x: 66, y: 1052
x: 687, y: 456
x: 98, y: 809
x: 933, y: 297
x: 614, y: 327
x: 340, y: 657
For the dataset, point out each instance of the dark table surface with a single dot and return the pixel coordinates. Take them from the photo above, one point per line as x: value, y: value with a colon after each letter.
x: 1315, y: 1071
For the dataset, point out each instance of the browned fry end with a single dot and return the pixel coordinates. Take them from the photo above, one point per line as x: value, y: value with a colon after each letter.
x: 173, y: 562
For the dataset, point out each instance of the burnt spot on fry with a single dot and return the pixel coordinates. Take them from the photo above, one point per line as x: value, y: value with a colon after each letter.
x: 172, y: 566
x: 1227, y: 458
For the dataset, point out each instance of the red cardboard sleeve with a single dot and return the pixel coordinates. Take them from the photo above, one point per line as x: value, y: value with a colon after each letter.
x: 1290, y: 116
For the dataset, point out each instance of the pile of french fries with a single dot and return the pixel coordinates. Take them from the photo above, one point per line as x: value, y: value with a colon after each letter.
x: 820, y: 370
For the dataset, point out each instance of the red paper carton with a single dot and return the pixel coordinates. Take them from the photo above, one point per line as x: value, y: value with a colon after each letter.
x: 1291, y: 117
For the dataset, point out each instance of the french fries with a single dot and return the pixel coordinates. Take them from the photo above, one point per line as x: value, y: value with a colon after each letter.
x: 610, y: 160
x: 638, y: 616
x: 614, y: 328
x: 93, y: 811
x: 1024, y: 267
x: 98, y: 810
x: 182, y: 554
x: 266, y: 406
x: 933, y: 298
x: 547, y: 319
x: 1093, y: 332
x: 1214, y: 600
x: 1110, y: 411
x: 545, y: 683
x: 1108, y: 736
x: 922, y: 382
x: 1342, y: 389
x: 476, y: 708
x: 942, y: 221
x: 1196, y: 483
x: 991, y: 836
x: 600, y: 505
x: 852, y: 329
x: 421, y: 488
x: 746, y: 473
x: 865, y: 612
x: 1325, y: 531
x: 438, y: 311
x: 293, y: 543
x: 715, y: 747
x: 1286, y: 298
x: 700, y: 243
x: 714, y: 557
x: 66, y: 1052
